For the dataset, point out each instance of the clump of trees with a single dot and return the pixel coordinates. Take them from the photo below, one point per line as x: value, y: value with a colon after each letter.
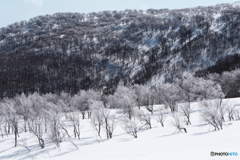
x: 214, y: 113
x: 45, y: 116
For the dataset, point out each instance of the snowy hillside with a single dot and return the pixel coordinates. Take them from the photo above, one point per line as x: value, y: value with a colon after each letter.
x: 72, y: 51
x: 156, y: 143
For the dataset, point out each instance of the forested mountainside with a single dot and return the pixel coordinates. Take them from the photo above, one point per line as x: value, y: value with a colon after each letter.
x: 73, y: 51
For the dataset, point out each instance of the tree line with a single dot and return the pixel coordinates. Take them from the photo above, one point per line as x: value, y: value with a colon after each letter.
x: 42, y: 115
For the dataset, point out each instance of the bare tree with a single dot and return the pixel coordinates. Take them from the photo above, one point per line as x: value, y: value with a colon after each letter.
x: 97, y: 117
x: 237, y: 115
x: 24, y: 144
x: 161, y: 117
x: 36, y: 117
x: 213, y: 113
x: 72, y: 114
x: 186, y: 110
x: 92, y: 96
x: 1, y: 122
x: 109, y: 122
x: 24, y: 104
x: 12, y: 117
x: 145, y: 118
x: 55, y: 124
x: 75, y: 120
x: 132, y: 127
x: 177, y: 123
x: 35, y: 127
x: 231, y: 112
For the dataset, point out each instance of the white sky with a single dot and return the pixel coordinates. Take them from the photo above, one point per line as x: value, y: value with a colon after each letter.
x: 16, y: 10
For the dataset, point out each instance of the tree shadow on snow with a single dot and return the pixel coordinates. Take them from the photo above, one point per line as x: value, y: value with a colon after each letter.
x: 6, y: 150
x: 202, y: 133
x: 167, y: 135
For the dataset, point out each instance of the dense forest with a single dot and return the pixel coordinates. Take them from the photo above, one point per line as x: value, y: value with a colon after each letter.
x: 72, y: 51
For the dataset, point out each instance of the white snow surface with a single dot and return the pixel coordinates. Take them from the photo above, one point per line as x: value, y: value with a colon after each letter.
x: 151, y: 144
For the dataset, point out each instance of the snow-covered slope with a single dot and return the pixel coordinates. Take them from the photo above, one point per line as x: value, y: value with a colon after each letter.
x: 156, y: 143
x: 72, y: 51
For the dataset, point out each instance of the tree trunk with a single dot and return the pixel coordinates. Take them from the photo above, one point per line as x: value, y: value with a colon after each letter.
x: 185, y: 130
x: 99, y: 129
x: 16, y: 134
x: 41, y: 143
x: 162, y: 124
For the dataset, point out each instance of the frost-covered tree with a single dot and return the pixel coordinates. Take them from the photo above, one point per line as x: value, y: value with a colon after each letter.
x: 55, y: 123
x: 170, y: 96
x: 231, y: 110
x: 83, y: 99
x: 132, y: 127
x: 141, y: 93
x: 207, y: 89
x: 38, y: 117
x: 2, y: 121
x: 97, y: 118
x: 81, y: 103
x: 161, y: 116
x: 186, y: 110
x: 40, y: 105
x: 126, y: 99
x: 213, y: 113
x: 150, y: 98
x: 10, y: 110
x: 146, y: 118
x: 177, y: 123
x: 109, y: 121
x: 25, y: 104
x: 73, y: 116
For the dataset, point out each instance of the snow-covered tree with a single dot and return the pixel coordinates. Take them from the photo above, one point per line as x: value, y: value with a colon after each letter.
x: 177, y: 123
x: 146, y: 118
x: 126, y: 99
x: 109, y: 122
x: 132, y: 127
x: 150, y: 98
x: 161, y: 116
x: 82, y: 101
x: 213, y: 113
x: 186, y: 110
x: 10, y: 110
x: 55, y: 123
x: 170, y: 96
x: 38, y: 117
x: 141, y: 93
x: 25, y: 105
x: 97, y: 118
x: 207, y: 89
